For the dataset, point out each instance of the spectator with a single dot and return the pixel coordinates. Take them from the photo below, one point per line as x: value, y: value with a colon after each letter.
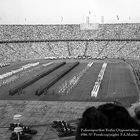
x: 39, y: 50
x: 107, y: 117
x: 92, y: 119
x: 118, y: 116
x: 137, y: 113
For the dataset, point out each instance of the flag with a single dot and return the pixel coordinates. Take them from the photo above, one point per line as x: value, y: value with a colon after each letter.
x: 117, y: 17
x: 61, y: 19
x: 89, y: 12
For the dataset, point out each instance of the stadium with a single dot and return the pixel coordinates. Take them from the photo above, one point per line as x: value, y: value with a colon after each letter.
x: 69, y: 69
x: 54, y: 72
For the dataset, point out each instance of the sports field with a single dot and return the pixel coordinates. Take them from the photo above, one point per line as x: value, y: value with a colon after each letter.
x: 88, y: 83
x: 117, y: 83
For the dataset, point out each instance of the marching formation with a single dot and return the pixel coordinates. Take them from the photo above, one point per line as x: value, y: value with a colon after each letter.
x: 68, y: 85
x: 96, y: 87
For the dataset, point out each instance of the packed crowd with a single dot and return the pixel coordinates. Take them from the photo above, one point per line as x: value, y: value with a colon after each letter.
x: 104, y: 49
x: 68, y: 49
x: 40, y: 32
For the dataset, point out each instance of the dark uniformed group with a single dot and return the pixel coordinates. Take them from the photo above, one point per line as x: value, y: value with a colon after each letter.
x: 63, y: 128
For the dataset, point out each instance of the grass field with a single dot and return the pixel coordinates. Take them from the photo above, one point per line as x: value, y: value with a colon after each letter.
x: 118, y: 83
x: 68, y: 97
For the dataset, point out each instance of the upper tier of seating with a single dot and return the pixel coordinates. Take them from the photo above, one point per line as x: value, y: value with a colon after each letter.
x: 50, y: 32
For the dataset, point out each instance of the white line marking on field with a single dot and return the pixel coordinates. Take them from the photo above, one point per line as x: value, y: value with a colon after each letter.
x: 96, y: 87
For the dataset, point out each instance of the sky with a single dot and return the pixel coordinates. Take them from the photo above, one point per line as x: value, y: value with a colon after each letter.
x: 68, y: 11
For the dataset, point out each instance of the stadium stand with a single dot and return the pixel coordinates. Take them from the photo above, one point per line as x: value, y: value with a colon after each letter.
x: 18, y: 42
x: 29, y: 42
